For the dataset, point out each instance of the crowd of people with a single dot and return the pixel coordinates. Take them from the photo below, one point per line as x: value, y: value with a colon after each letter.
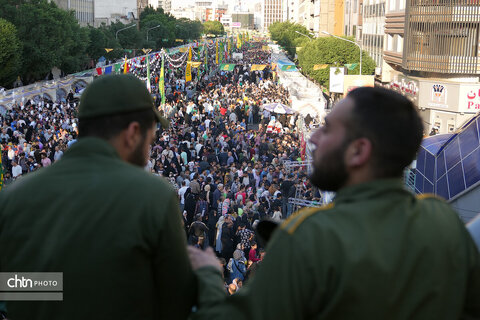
x: 228, y: 169
x: 102, y: 201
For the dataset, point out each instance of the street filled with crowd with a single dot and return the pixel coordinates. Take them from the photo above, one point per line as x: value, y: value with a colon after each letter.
x: 225, y: 155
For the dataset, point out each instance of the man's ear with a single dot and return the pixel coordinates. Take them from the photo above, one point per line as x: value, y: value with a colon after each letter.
x: 358, y: 153
x: 132, y: 135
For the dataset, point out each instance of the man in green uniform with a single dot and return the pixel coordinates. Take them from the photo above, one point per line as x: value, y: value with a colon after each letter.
x: 377, y: 252
x: 112, y: 229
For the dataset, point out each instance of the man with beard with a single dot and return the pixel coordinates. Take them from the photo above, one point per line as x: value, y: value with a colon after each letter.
x: 377, y: 252
x: 112, y: 229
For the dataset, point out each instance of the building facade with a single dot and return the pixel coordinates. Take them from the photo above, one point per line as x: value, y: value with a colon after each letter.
x: 184, y: 12
x: 373, y: 24
x: 322, y: 15
x: 166, y: 5
x: 293, y: 6
x: 351, y: 18
x: 274, y: 11
x: 433, y: 49
x: 108, y: 11
x: 442, y: 36
x: 215, y: 12
x: 84, y: 10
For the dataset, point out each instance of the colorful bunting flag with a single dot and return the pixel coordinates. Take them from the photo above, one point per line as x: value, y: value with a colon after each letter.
x: 108, y: 50
x: 148, y: 75
x: 118, y: 66
x: 108, y: 69
x: 161, y: 85
x: 99, y: 71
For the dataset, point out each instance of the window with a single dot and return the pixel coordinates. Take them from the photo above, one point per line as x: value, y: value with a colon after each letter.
x: 389, y: 43
x: 400, y: 44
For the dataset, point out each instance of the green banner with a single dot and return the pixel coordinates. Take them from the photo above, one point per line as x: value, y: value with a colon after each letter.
x: 289, y: 68
x: 227, y: 67
x: 351, y: 66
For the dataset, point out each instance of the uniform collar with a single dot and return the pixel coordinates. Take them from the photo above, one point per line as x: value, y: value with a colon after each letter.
x: 90, y: 146
x: 370, y: 190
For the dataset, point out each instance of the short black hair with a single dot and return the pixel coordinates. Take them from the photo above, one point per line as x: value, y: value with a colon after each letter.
x: 107, y: 127
x: 391, y: 122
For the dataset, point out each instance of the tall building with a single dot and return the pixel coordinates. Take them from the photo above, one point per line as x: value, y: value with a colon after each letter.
x: 141, y: 5
x: 434, y: 50
x: 322, y: 15
x: 153, y: 3
x: 166, y: 5
x: 442, y: 36
x: 108, y: 11
x: 84, y: 11
x: 394, y: 38
x: 293, y: 6
x: 373, y: 24
x: 274, y: 11
x: 215, y: 12
x: 184, y: 12
x: 351, y: 19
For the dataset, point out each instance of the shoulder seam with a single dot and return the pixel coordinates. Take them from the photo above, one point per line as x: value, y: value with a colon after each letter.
x: 428, y: 196
x: 294, y: 222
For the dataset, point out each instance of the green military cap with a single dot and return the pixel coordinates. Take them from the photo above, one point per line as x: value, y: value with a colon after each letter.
x: 114, y: 94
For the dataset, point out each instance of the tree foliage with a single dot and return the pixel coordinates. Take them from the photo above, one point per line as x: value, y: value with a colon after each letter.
x: 321, y: 51
x: 287, y: 36
x: 9, y: 52
x: 213, y: 27
x: 45, y: 36
x: 51, y: 37
x: 187, y: 29
x: 333, y: 52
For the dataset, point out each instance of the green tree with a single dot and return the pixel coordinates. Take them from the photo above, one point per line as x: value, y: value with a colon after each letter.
x: 187, y: 29
x: 130, y: 38
x: 213, y: 27
x: 10, y: 53
x: 75, y: 58
x: 333, y: 52
x: 287, y: 33
x: 160, y: 27
x: 51, y: 37
x: 101, y: 38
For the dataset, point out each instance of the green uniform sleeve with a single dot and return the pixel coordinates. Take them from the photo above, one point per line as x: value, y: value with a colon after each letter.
x: 280, y: 289
x: 173, y: 272
x: 472, y: 303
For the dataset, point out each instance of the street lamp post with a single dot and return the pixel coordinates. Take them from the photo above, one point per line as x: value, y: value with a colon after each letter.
x: 152, y: 29
x: 309, y: 38
x: 116, y: 33
x: 328, y: 33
